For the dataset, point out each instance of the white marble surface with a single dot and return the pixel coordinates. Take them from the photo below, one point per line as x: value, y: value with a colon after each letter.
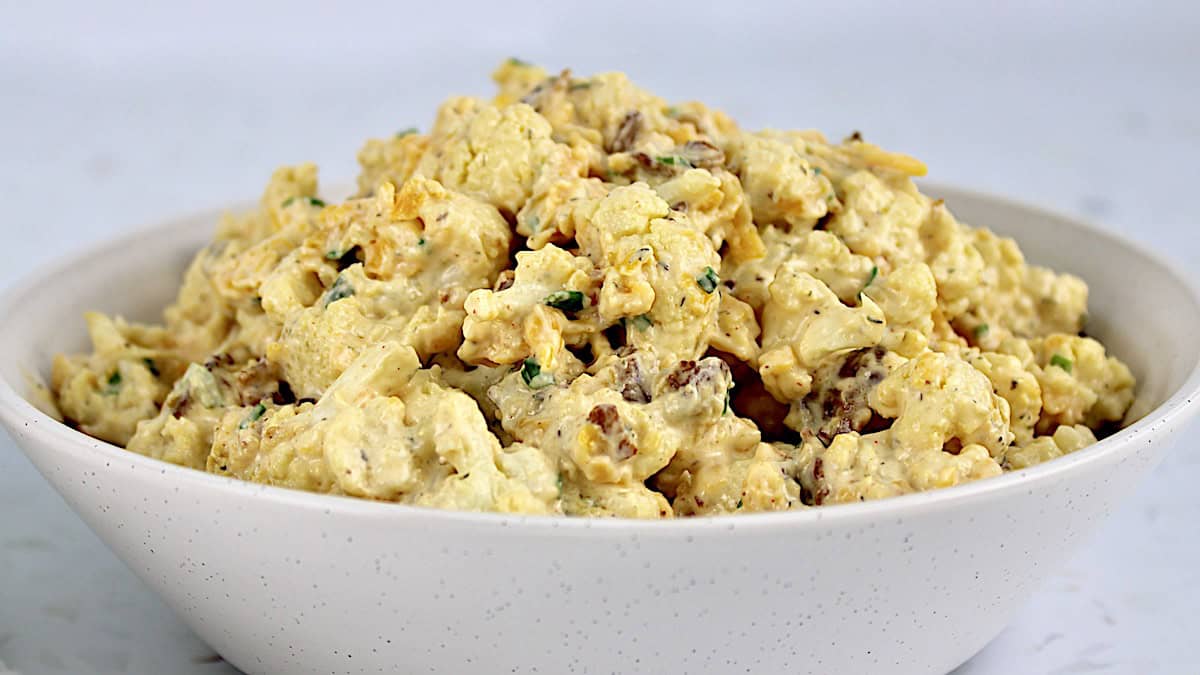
x: 119, y: 117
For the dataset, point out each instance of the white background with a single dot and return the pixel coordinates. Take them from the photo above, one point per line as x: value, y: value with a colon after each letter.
x: 119, y: 115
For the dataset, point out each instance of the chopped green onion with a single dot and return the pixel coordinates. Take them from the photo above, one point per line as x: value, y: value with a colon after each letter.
x: 532, y: 375
x: 333, y: 254
x: 576, y: 86
x: 567, y: 301
x: 151, y: 366
x: 406, y: 132
x: 340, y: 289
x: 113, y: 383
x: 642, y: 321
x: 674, y: 160
x: 870, y: 279
x: 1062, y: 362
x: 312, y: 201
x: 514, y: 61
x: 816, y: 171
x: 708, y: 281
x: 739, y: 504
x: 559, y: 481
x: 421, y: 241
x: 980, y: 330
x: 255, y: 415
x: 672, y: 111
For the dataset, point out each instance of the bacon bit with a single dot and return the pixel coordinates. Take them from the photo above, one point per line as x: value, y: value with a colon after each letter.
x: 181, y: 407
x: 953, y: 446
x: 683, y: 375
x: 625, y: 449
x: 606, y: 417
x: 629, y: 381
x: 819, y: 498
x: 818, y: 469
x: 703, y: 154
x: 627, y: 133
x: 505, y: 280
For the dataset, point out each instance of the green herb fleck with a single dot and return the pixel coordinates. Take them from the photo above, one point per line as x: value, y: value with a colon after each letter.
x: 406, y: 132
x: 514, y: 61
x: 672, y: 111
x: 980, y: 330
x: 312, y: 201
x: 421, y: 241
x: 113, y: 383
x: 870, y: 279
x: 567, y: 301
x: 674, y: 160
x: 739, y: 504
x: 708, y: 281
x: 816, y: 171
x: 560, y: 484
x: 1062, y: 362
x: 333, y: 254
x: 642, y: 321
x: 725, y: 409
x: 532, y: 375
x: 340, y: 289
x: 151, y: 366
x: 255, y: 414
x: 576, y: 86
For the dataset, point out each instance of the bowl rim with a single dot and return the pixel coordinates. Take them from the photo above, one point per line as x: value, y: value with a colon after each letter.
x: 73, y: 445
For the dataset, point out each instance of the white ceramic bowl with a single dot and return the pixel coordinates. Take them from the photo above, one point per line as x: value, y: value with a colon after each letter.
x: 280, y: 581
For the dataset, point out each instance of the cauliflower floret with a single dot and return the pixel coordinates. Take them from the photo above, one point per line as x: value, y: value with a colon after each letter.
x: 124, y: 380
x: 1011, y: 380
x: 1066, y: 439
x: 780, y: 183
x: 756, y: 479
x: 385, y: 430
x: 908, y: 298
x: 393, y: 160
x: 818, y: 253
x: 182, y: 431
x: 494, y: 154
x: 659, y: 272
x: 879, y: 221
x: 938, y: 402
x: 407, y: 261
x: 804, y: 323
x: 956, y: 265
x: 1012, y: 298
x: 737, y: 328
x: 1080, y: 383
x: 855, y: 468
x: 551, y: 303
x: 550, y: 215
x: 716, y: 206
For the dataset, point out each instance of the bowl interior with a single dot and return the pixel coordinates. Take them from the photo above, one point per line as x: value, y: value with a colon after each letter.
x: 1143, y: 311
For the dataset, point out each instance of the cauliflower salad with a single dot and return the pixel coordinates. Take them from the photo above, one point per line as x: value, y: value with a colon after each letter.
x: 577, y: 298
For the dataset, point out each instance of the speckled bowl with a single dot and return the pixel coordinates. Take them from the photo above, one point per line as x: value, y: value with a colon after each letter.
x: 280, y: 581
